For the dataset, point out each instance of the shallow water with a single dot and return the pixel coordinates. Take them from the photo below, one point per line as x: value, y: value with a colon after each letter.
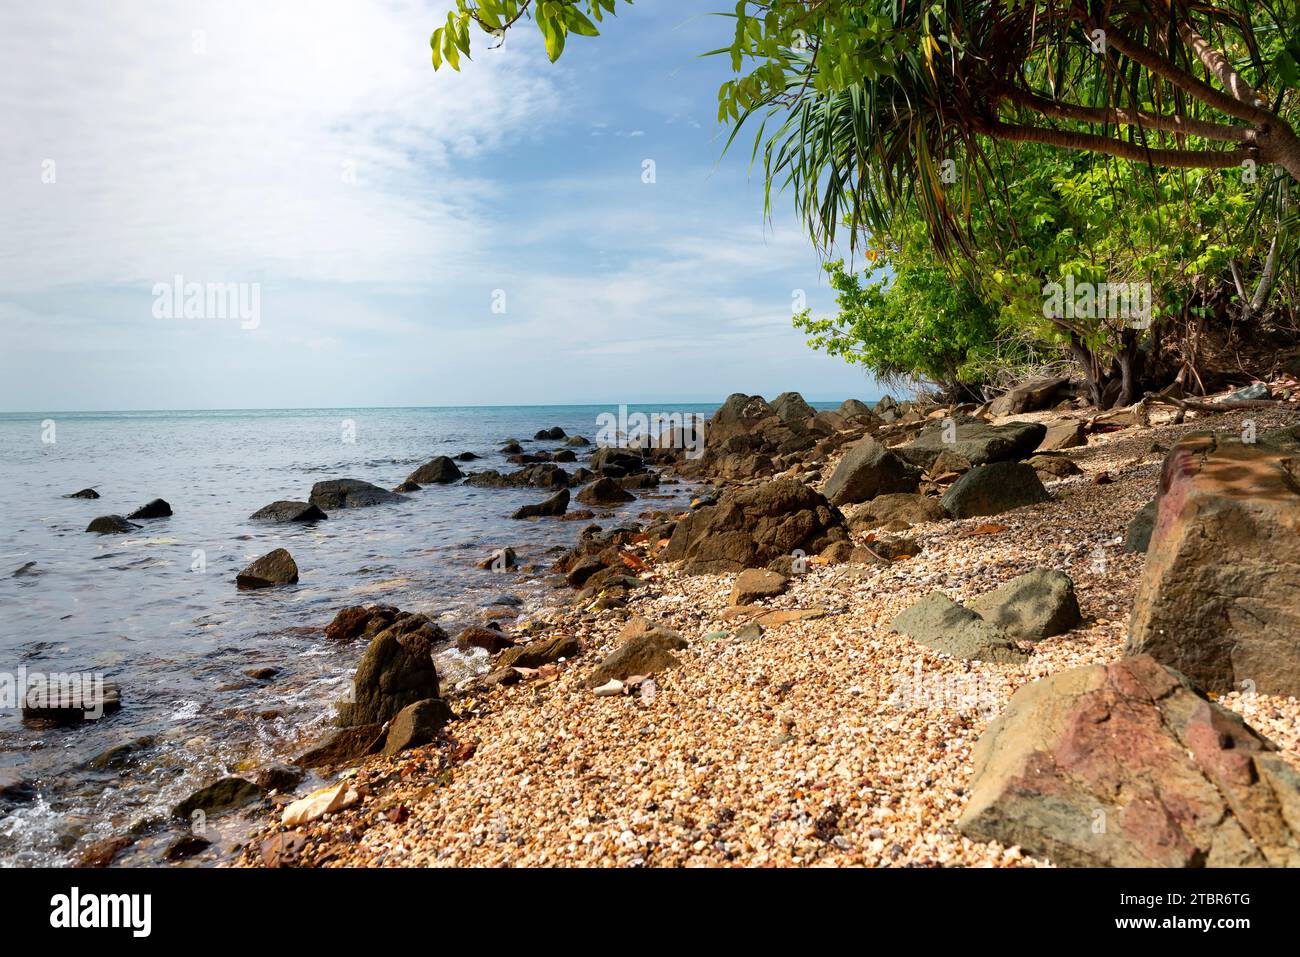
x: 157, y: 610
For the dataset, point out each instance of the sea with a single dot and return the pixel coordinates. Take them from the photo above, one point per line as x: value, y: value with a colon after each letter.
x: 157, y: 611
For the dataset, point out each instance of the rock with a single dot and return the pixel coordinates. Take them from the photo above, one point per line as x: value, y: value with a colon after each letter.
x: 1028, y: 397
x: 1137, y: 537
x: 439, y: 471
x: 754, y: 584
x: 1033, y: 606
x: 610, y: 689
x: 415, y: 725
x: 554, y: 434
x: 281, y: 778
x: 974, y: 440
x: 225, y: 794
x: 1219, y: 597
x: 345, y: 747
x: 906, y: 507
x: 503, y: 559
x: 288, y: 511
x: 1126, y: 765
x: 604, y: 492
x: 357, y: 621
x: 886, y: 403
x: 1053, y: 466
x: 940, y: 623
x: 792, y: 409
x: 282, y: 850
x: 895, y: 549
x: 327, y: 800
x: 118, y: 757
x: 869, y: 469
x: 477, y: 636
x: 396, y: 670
x: 577, y: 440
x: 556, y: 505
x: 855, y: 409
x: 72, y: 704
x: 616, y: 462
x: 155, y: 509
x: 542, y: 475
x: 949, y: 461
x: 749, y: 527
x: 111, y: 525
x: 992, y: 489
x: 1252, y: 393
x: 407, y: 487
x: 84, y: 493
x: 1063, y: 434
x: 512, y: 447
x: 273, y: 568
x: 349, y: 493
x: 645, y: 648
x: 14, y: 787
x: 186, y: 845
x: 25, y: 570
x: 102, y: 853
x: 466, y: 457
x: 542, y: 651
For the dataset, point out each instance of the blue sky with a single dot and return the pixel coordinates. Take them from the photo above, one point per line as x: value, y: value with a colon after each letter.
x: 381, y: 210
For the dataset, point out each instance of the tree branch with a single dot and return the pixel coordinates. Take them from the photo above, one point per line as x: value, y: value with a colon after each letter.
x: 1118, y: 116
x: 1089, y: 142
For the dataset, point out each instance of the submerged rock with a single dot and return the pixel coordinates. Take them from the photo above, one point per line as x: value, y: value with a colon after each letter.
x: 554, y: 506
x: 438, y: 471
x: 273, y: 568
x: 286, y: 510
x: 227, y: 794
x: 155, y: 509
x: 111, y: 525
x: 84, y: 493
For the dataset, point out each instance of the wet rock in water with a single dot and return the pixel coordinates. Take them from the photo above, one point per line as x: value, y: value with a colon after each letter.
x: 604, y: 492
x: 909, y: 507
x: 285, y: 511
x: 84, y: 493
x: 118, y: 757
x: 155, y: 509
x: 349, y: 493
x: 438, y: 471
x: 102, y: 853
x: 1127, y: 765
x: 554, y: 434
x: 503, y: 559
x: 577, y: 440
x: 1219, y: 597
x: 1063, y: 434
x: 396, y: 670
x: 869, y: 469
x: 264, y: 673
x: 755, y: 584
x: 366, y: 621
x: 227, y: 794
x: 749, y: 527
x: 993, y: 489
x: 111, y: 525
x: 416, y: 724
x: 25, y: 570
x: 466, y: 457
x: 282, y: 778
x: 1053, y: 466
x: 1029, y: 396
x: 640, y: 481
x: 1033, y: 606
x: 1137, y: 536
x: 645, y: 648
x: 345, y: 747
x: 512, y: 447
x: 543, y: 651
x: 938, y: 622
x: 614, y: 462
x: 564, y: 455
x: 273, y: 568
x: 542, y: 475
x: 186, y: 845
x: 554, y: 506
x: 1251, y: 393
x: 407, y: 487
x: 478, y: 636
x: 14, y: 787
x: 71, y: 704
x: 974, y: 440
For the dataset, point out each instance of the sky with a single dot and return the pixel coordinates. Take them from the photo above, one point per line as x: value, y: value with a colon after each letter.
x: 518, y: 233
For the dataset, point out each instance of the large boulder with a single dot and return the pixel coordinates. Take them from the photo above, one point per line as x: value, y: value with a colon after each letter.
x: 1127, y: 765
x: 605, y: 492
x: 973, y: 439
x: 349, y: 493
x: 288, y: 511
x: 749, y: 527
x: 1033, y: 606
x: 992, y: 489
x: 1028, y: 396
x: 274, y: 568
x: 1219, y: 597
x: 746, y: 434
x: 869, y: 469
x: 396, y: 670
x: 938, y: 622
x: 438, y: 471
